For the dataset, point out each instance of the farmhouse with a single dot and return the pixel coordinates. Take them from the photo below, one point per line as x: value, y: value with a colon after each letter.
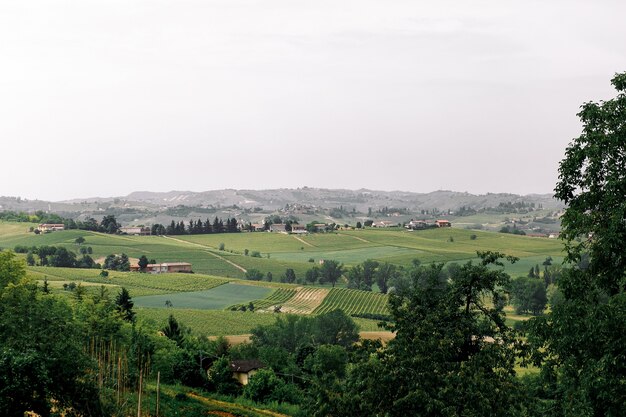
x: 244, y: 369
x: 280, y: 228
x: 50, y: 227
x: 135, y: 230
x: 384, y: 223
x: 443, y: 223
x: 257, y: 227
x: 416, y: 224
x: 298, y: 228
x: 165, y: 268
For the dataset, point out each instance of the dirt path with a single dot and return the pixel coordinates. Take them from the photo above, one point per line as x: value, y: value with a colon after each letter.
x: 303, y: 241
x: 357, y: 238
x: 385, y: 336
x: 208, y: 249
x: 227, y: 406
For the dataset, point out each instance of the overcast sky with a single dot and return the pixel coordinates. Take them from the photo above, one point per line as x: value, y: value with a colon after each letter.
x: 104, y: 98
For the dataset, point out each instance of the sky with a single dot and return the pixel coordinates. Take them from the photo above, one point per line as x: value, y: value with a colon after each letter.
x: 102, y: 98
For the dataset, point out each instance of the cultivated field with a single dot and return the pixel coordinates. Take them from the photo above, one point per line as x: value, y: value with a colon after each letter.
x: 203, y: 300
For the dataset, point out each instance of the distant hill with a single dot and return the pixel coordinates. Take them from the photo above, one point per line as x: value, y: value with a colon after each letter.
x: 360, y: 200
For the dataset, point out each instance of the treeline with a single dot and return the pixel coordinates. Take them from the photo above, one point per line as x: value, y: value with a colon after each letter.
x: 37, y: 217
x: 197, y: 227
x: 362, y: 277
x: 57, y: 256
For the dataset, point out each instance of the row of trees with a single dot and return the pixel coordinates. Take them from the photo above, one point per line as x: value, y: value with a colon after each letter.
x: 196, y: 227
x: 57, y: 256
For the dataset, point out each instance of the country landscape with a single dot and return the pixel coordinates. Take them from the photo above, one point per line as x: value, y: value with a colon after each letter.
x: 236, y: 208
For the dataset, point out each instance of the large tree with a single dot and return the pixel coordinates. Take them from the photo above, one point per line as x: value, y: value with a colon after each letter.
x: 580, y: 344
x: 453, y: 354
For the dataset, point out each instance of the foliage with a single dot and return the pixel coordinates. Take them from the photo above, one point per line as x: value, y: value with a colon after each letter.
x: 124, y: 305
x: 579, y: 344
x: 452, y: 354
x: 330, y: 272
x: 528, y: 295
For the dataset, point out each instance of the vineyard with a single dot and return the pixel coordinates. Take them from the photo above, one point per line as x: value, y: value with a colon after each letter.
x: 208, y: 322
x: 137, y: 283
x: 353, y: 302
x: 278, y: 297
x: 305, y: 301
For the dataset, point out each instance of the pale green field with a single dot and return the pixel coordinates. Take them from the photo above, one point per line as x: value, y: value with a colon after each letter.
x: 222, y: 323
x: 216, y: 298
x: 288, y: 251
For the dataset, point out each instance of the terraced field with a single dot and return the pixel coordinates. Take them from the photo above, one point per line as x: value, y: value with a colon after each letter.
x: 353, y: 302
x: 276, y: 298
x: 305, y: 301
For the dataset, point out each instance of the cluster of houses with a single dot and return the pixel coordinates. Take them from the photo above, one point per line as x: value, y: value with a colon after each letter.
x: 50, y: 227
x: 135, y: 230
x: 163, y: 268
x: 421, y: 224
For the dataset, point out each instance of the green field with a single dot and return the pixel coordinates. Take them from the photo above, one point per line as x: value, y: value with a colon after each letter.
x: 354, y: 302
x: 222, y: 323
x: 217, y: 282
x: 281, y: 251
x: 216, y: 298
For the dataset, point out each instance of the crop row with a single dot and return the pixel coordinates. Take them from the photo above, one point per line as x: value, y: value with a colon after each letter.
x: 354, y: 302
x: 278, y: 297
x: 208, y: 322
x: 305, y: 301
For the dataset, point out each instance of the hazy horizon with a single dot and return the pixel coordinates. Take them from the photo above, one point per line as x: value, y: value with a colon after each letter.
x: 90, y: 197
x: 106, y: 98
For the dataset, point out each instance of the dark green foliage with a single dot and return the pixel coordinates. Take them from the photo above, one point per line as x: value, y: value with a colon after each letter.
x: 289, y: 277
x: 580, y: 343
x: 528, y: 295
x: 124, y: 305
x: 453, y: 354
x: 312, y: 275
x: 143, y: 262
x: 117, y: 263
x: 254, y: 275
x: 109, y: 224
x: 42, y: 357
x: 221, y: 377
x: 330, y: 272
x: 174, y: 331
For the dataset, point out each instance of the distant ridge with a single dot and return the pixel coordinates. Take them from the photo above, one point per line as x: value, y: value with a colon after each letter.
x: 360, y: 199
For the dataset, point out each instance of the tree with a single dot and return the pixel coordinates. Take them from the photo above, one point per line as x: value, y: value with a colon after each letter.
x: 579, y: 344
x: 124, y: 305
x: 254, y: 275
x: 30, y: 259
x: 385, y: 274
x: 289, y: 277
x: 79, y: 240
x: 330, y: 272
x: 452, y: 354
x: 109, y: 224
x: 311, y: 276
x: 143, y: 262
x: 173, y: 330
x: 528, y: 295
x: 43, y: 363
x: 11, y: 269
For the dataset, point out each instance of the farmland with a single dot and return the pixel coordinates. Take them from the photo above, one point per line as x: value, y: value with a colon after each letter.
x: 203, y: 300
x: 353, y: 302
x: 280, y: 251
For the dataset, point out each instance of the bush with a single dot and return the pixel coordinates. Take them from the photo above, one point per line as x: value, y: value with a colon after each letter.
x: 473, y: 237
x: 255, y: 254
